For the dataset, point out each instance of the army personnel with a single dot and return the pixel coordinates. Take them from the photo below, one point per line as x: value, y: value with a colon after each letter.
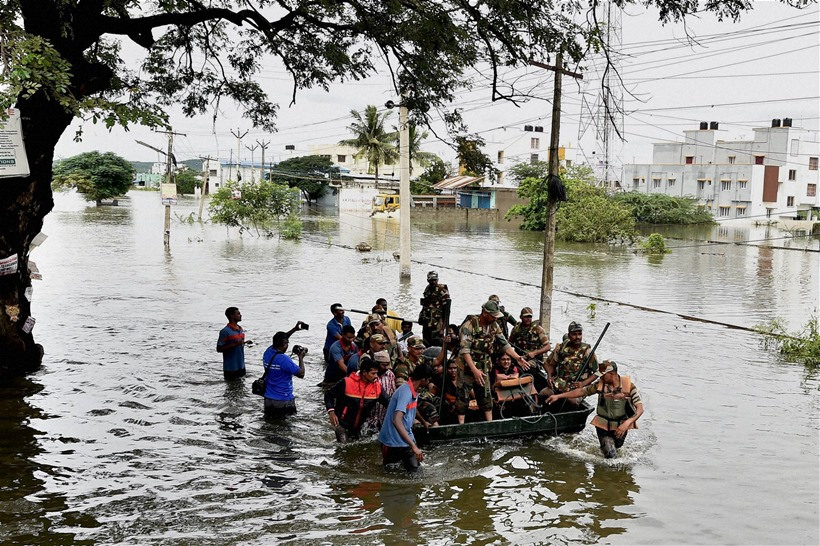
x: 405, y: 364
x: 506, y: 318
x: 565, y: 362
x: 434, y: 306
x: 529, y: 336
x: 479, y: 336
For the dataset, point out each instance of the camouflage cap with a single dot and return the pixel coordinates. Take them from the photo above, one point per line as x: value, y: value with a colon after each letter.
x: 373, y: 317
x: 494, y: 298
x: 432, y: 275
x: 574, y: 327
x: 381, y: 356
x: 416, y: 342
x: 526, y: 312
x: 606, y: 366
x: 492, y: 308
x: 378, y: 338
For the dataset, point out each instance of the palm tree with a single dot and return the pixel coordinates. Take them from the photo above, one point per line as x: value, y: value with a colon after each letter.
x: 370, y: 138
x: 416, y: 139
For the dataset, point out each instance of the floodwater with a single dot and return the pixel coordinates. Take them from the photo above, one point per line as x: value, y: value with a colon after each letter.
x: 130, y: 435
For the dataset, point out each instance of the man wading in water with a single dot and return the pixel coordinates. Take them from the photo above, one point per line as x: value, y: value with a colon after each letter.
x: 619, y: 406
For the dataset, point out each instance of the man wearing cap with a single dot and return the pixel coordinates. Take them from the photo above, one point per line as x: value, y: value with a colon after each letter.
x: 334, y: 329
x: 374, y: 324
x: 351, y: 400
x: 407, y: 363
x: 506, y: 317
x: 435, y: 305
x: 340, y: 354
x: 479, y: 336
x: 618, y: 410
x: 529, y: 336
x: 388, y: 383
x: 566, y: 361
x: 371, y: 344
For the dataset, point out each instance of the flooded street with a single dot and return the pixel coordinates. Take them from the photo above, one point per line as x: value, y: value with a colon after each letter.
x: 129, y: 434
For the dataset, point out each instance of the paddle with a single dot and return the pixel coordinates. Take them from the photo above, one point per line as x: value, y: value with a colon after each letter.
x: 586, y: 361
x: 388, y: 316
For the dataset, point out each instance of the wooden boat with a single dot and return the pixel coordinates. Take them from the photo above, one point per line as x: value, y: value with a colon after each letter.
x: 512, y: 427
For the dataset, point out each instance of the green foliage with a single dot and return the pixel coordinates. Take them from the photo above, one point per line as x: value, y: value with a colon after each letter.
x: 186, y: 182
x: 592, y: 309
x: 259, y: 205
x: 526, y: 169
x: 587, y: 216
x: 802, y: 346
x: 472, y: 160
x: 291, y: 228
x: 370, y: 138
x: 658, y: 208
x: 437, y: 171
x: 311, y: 174
x: 97, y: 176
x: 655, y: 244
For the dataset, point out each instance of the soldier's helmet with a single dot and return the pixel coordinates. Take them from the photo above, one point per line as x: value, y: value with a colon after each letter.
x: 432, y: 276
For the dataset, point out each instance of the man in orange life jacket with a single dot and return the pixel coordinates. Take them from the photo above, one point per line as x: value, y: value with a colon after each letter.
x: 350, y: 401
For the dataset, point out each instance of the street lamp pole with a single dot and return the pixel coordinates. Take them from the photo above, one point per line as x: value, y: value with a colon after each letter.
x: 404, y: 189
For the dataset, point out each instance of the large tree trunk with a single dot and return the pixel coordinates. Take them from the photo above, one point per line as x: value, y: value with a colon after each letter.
x: 24, y: 202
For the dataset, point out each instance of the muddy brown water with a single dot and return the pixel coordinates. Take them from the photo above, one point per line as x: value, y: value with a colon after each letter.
x: 129, y: 434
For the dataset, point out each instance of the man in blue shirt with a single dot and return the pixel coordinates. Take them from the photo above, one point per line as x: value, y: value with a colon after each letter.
x: 334, y: 329
x: 280, y: 369
x: 340, y: 354
x: 396, y: 436
x: 231, y: 344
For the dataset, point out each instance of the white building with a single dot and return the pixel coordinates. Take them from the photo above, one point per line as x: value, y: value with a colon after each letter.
x: 508, y: 146
x: 775, y: 175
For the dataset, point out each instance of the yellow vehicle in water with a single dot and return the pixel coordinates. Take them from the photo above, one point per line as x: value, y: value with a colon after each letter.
x: 385, y: 204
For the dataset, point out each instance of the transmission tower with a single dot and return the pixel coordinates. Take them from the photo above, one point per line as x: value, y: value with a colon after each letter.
x: 603, y: 114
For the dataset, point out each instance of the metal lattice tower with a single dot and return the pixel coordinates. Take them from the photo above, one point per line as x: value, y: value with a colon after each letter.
x: 604, y: 113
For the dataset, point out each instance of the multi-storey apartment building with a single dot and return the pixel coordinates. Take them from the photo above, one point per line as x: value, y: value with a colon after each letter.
x: 775, y: 175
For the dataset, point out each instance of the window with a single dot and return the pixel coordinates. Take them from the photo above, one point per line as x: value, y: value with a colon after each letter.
x: 656, y: 182
x: 741, y: 211
x: 812, y: 163
x: 725, y: 185
x: 636, y: 182
x: 212, y: 172
x: 290, y: 147
x: 535, y: 143
x: 723, y: 211
x: 790, y: 201
x: 759, y: 159
x: 671, y: 182
x: 731, y: 160
x: 533, y: 158
x: 741, y: 184
x: 690, y: 159
x: 340, y: 158
x: 769, y: 213
x: 792, y: 174
x: 568, y: 162
x: 500, y: 156
x: 701, y: 184
x: 811, y: 190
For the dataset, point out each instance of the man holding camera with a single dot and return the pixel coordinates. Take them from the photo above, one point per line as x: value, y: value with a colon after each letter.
x: 280, y: 369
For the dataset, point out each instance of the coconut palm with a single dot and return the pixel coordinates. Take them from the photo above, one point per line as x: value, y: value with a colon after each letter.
x: 371, y: 140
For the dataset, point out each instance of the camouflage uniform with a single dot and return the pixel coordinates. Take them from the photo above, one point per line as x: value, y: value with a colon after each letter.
x: 404, y: 367
x: 479, y: 342
x: 568, y: 361
x: 436, y: 296
x: 529, y: 339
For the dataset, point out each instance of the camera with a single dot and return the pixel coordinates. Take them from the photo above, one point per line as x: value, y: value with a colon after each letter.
x: 303, y: 325
x: 298, y: 349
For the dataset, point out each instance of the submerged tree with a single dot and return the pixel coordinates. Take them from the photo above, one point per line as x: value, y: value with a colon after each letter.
x: 309, y: 173
x: 94, y: 175
x: 371, y: 140
x: 63, y: 60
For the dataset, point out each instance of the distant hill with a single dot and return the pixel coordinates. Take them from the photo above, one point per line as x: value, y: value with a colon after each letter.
x: 145, y: 166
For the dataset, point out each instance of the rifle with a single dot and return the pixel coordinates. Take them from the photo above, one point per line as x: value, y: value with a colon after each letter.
x: 386, y: 316
x: 586, y: 361
x: 446, y: 318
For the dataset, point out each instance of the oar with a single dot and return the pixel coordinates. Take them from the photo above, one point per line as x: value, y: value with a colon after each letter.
x: 444, y: 358
x: 388, y: 316
x: 586, y: 361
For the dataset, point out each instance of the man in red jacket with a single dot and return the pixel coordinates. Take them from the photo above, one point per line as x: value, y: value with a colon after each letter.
x: 350, y: 401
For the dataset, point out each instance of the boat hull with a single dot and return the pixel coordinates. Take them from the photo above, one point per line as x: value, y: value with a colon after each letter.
x: 546, y: 424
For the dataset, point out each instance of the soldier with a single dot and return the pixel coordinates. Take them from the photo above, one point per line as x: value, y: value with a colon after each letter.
x: 479, y: 335
x: 406, y: 364
x: 565, y: 362
x: 505, y: 319
x: 435, y: 304
x: 529, y: 336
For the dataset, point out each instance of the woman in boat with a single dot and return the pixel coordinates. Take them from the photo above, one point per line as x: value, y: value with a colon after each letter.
x: 619, y: 406
x: 456, y: 396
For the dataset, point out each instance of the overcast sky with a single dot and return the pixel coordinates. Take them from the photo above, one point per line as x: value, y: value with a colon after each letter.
x: 739, y: 74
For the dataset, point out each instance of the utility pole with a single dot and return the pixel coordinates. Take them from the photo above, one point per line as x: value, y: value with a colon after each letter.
x: 205, y: 179
x: 404, y: 191
x: 545, y: 314
x: 168, y: 197
x: 253, y: 165
x: 238, y: 151
x: 264, y: 146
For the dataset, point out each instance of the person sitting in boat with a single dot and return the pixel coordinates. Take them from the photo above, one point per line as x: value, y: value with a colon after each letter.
x: 388, y: 383
x: 406, y: 333
x: 407, y: 363
x: 391, y: 320
x: 456, y: 395
x: 618, y: 410
x: 529, y: 336
x: 369, y: 346
x: 513, y: 390
x: 374, y: 324
x: 351, y: 400
x: 339, y: 355
x: 478, y: 337
x: 565, y: 363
